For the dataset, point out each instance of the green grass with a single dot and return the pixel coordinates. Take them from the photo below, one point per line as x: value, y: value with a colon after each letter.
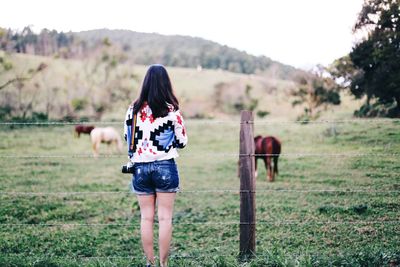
x: 292, y: 227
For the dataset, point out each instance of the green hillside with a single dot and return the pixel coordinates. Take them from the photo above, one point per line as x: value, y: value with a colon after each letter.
x: 143, y: 49
x: 185, y: 51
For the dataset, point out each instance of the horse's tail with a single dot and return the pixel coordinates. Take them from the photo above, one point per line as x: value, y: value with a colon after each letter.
x: 276, y: 164
x: 276, y: 144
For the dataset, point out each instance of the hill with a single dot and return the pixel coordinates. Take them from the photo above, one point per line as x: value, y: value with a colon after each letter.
x: 185, y: 51
x: 143, y: 48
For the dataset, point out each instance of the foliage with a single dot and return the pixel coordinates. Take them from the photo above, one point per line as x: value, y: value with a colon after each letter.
x: 142, y: 48
x: 5, y: 64
x: 342, y: 70
x: 103, y: 80
x: 79, y: 104
x: 17, y: 104
x: 65, y: 79
x: 376, y: 57
x: 184, y: 51
x: 316, y: 92
x: 234, y: 97
x: 46, y: 43
x: 262, y: 113
x: 246, y: 102
x: 377, y: 109
x: 65, y: 91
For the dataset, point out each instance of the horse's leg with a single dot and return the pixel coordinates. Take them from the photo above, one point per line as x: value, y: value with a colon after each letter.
x: 271, y: 173
x: 255, y: 167
x: 275, y: 170
x: 109, y: 147
x: 272, y: 169
x: 268, y: 168
x: 95, y: 146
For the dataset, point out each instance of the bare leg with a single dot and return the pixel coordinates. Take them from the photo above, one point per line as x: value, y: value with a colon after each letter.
x: 255, y: 168
x: 96, y: 149
x: 271, y: 175
x: 267, y: 161
x: 147, y: 210
x: 273, y: 169
x: 165, y: 212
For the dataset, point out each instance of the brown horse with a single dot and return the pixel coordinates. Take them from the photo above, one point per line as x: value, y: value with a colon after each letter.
x: 84, y: 129
x: 267, y: 149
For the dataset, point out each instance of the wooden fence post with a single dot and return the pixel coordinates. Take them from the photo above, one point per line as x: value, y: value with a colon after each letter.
x: 247, y: 185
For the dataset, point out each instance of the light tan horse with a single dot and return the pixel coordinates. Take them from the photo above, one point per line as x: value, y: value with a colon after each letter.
x: 106, y: 135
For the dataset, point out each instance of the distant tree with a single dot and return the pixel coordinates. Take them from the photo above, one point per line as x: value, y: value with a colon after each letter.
x: 103, y: 81
x: 343, y: 71
x: 6, y: 65
x: 143, y: 48
x: 377, y: 56
x: 235, y: 96
x: 18, y: 102
x: 316, y: 92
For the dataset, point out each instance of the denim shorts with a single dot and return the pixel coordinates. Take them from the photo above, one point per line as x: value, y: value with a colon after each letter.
x: 157, y: 176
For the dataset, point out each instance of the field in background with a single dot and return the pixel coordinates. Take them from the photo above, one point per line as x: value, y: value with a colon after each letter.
x: 65, y: 80
x: 353, y: 221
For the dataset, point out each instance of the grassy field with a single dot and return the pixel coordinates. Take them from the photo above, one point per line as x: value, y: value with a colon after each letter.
x: 352, y: 218
x: 64, y: 80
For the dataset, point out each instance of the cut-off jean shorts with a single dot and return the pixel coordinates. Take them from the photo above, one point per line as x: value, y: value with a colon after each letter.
x: 157, y: 176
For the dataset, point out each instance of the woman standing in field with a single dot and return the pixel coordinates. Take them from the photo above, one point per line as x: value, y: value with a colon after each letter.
x: 154, y: 130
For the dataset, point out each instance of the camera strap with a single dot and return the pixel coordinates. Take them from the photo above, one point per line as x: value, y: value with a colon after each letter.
x: 133, y: 128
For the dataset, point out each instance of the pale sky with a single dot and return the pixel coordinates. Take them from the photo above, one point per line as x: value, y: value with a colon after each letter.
x: 296, y: 32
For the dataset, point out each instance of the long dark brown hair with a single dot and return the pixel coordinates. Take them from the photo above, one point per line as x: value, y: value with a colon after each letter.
x: 157, y: 92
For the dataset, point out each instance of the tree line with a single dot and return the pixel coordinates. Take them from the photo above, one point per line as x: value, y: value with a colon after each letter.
x: 370, y: 71
x: 141, y: 48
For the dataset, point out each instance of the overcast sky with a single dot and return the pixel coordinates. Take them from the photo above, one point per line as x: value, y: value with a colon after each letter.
x: 296, y: 32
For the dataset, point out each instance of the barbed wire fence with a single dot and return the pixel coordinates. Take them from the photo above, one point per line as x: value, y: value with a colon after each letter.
x: 211, y: 121
x: 205, y: 191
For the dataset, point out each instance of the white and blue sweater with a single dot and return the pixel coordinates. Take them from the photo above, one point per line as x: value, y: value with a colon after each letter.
x: 155, y: 139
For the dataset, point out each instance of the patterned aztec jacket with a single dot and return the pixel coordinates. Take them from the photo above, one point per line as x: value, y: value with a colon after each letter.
x: 155, y: 139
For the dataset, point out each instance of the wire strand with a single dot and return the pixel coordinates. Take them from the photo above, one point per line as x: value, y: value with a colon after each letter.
x: 215, y: 154
x: 275, y: 222
x: 237, y: 121
x: 235, y: 191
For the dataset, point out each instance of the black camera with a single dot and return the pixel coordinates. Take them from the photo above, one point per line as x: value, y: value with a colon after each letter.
x: 128, y: 168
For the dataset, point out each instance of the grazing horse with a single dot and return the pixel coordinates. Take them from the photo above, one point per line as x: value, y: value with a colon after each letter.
x: 106, y: 135
x: 268, y: 149
x: 84, y: 129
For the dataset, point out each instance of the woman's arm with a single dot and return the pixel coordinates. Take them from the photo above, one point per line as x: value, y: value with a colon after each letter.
x: 181, y: 138
x: 127, y: 124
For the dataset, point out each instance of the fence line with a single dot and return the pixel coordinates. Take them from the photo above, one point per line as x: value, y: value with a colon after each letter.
x: 172, y: 256
x: 337, y: 155
x: 235, y: 191
x: 77, y: 257
x: 87, y: 258
x: 274, y: 222
x: 328, y: 121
